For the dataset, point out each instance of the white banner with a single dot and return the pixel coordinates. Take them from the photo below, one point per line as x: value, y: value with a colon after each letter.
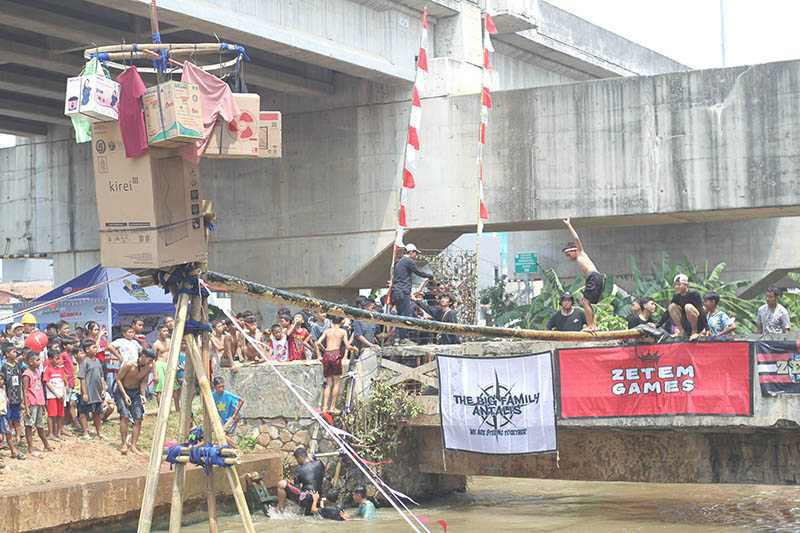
x: 497, y: 405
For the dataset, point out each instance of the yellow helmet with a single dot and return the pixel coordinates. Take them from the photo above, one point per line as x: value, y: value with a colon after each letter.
x: 28, y: 318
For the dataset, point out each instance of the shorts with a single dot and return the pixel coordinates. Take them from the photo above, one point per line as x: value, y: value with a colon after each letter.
x: 332, y: 363
x: 593, y: 289
x: 89, y: 408
x: 36, y: 417
x: 13, y: 413
x: 133, y: 412
x: 302, y: 498
x: 5, y: 427
x: 55, y: 407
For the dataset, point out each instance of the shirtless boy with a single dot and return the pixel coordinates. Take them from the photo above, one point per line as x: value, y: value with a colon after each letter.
x: 129, y: 397
x: 161, y: 345
x: 249, y: 351
x: 593, y: 289
x: 331, y: 342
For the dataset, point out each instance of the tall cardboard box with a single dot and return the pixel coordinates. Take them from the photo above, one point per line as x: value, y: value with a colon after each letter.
x: 240, y: 138
x: 173, y: 114
x: 149, y: 208
x: 94, y: 97
x: 269, y: 138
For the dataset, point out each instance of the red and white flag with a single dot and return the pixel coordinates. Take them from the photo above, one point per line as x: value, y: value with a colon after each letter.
x: 413, y: 140
x: 489, y: 29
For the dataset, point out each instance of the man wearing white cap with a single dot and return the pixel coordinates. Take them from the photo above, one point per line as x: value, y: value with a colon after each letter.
x: 686, y: 309
x: 401, y: 286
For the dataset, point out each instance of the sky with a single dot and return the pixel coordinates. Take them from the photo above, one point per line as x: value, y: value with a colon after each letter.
x: 756, y: 31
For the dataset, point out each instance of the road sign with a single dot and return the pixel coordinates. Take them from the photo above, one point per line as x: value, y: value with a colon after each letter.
x: 526, y: 262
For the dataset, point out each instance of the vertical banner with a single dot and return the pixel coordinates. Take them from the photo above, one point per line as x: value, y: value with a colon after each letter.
x: 497, y: 405
x: 703, y: 378
x: 778, y: 367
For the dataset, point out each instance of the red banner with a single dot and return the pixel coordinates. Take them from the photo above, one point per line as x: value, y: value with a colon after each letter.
x: 706, y: 378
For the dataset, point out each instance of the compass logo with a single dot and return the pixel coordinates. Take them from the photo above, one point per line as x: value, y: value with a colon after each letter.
x: 496, y: 405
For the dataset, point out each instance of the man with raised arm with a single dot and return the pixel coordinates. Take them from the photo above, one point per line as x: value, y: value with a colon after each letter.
x: 593, y: 288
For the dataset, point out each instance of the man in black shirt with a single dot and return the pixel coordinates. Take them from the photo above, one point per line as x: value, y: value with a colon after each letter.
x: 307, y: 480
x: 686, y: 309
x: 647, y: 308
x: 442, y: 313
x: 401, y: 285
x: 329, y: 510
x: 567, y: 318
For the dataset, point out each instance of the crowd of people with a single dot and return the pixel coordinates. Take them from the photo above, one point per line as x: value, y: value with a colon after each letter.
x: 688, y: 314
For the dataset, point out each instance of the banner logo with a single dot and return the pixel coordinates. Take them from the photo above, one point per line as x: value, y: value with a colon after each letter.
x: 497, y: 405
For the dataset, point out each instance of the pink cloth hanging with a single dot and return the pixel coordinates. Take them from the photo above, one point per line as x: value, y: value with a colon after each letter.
x: 218, y: 102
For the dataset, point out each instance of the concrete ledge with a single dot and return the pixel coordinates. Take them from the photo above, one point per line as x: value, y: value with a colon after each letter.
x: 112, y: 498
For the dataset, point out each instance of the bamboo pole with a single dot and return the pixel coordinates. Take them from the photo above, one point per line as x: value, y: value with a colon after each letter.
x: 195, y: 47
x: 225, y: 452
x: 225, y: 282
x: 211, y: 498
x: 219, y: 434
x: 160, y: 434
x: 184, y: 426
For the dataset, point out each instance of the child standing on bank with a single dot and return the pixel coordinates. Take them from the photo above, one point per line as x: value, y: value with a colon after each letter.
x: 12, y: 373
x: 5, y: 427
x: 331, y: 342
x: 90, y: 375
x: 34, y: 405
x: 55, y: 383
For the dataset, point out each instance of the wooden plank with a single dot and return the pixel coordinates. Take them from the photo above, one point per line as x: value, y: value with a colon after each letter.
x: 160, y: 433
x: 219, y: 434
x: 407, y: 373
x: 184, y: 427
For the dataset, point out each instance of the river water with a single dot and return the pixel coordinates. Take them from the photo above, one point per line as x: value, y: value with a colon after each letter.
x: 498, y: 505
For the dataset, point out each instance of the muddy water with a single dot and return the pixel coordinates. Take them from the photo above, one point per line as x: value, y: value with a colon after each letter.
x: 498, y: 505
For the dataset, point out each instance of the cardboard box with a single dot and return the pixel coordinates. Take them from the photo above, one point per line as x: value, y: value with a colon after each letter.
x: 149, y: 208
x: 95, y: 97
x: 269, y: 137
x: 173, y: 114
x: 240, y: 138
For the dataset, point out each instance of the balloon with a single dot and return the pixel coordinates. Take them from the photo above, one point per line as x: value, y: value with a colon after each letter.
x: 36, y: 341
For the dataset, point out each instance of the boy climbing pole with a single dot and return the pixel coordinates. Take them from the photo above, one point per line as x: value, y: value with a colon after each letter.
x: 593, y: 289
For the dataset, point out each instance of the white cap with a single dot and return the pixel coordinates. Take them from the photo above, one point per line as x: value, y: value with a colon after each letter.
x: 15, y: 325
x: 411, y: 248
x: 681, y: 278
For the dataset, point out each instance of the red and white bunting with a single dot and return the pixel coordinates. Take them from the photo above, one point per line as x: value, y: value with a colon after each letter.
x: 414, y: 122
x: 489, y: 29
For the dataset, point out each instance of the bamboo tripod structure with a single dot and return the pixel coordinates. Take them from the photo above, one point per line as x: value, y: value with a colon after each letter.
x: 196, y: 371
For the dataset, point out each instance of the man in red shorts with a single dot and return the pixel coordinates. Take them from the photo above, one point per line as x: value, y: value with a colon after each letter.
x: 331, y: 342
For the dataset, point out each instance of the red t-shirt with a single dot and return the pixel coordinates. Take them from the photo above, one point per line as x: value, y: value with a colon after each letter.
x: 101, y: 352
x: 131, y: 115
x: 57, y: 377
x: 69, y: 368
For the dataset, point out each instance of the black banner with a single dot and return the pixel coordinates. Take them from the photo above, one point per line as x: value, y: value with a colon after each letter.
x: 778, y: 367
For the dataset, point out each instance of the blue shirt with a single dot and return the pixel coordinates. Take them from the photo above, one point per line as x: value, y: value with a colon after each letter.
x: 226, y: 404
x: 181, y: 370
x: 718, y: 322
x: 366, y: 510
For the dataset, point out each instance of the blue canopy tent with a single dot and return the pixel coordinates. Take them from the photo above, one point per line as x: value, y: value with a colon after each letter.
x: 106, y: 304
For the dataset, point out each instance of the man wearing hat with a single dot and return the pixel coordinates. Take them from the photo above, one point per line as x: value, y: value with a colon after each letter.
x: 595, y: 281
x: 28, y: 324
x: 686, y: 309
x: 401, y: 286
x: 567, y: 318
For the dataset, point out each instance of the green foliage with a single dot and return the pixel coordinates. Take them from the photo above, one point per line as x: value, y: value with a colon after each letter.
x: 246, y: 443
x: 377, y: 421
x: 615, y: 304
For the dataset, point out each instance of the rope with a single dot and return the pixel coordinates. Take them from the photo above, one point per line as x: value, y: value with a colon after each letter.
x: 333, y: 435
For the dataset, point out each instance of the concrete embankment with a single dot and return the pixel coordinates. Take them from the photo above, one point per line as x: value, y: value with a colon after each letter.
x: 95, y: 502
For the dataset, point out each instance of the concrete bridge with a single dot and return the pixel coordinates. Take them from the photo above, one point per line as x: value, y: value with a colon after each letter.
x: 667, y: 150
x: 764, y: 448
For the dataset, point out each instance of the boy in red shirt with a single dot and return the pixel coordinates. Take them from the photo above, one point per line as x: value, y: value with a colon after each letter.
x: 33, y: 405
x: 55, y: 381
